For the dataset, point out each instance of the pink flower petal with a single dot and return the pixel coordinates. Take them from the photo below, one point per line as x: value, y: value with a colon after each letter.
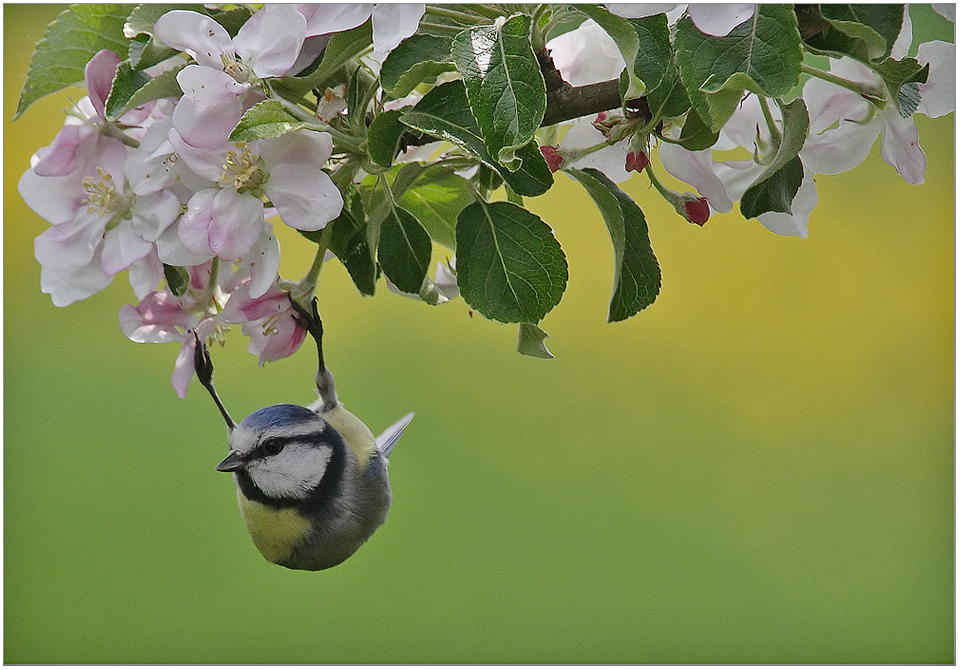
x: 236, y: 224
x: 99, y: 73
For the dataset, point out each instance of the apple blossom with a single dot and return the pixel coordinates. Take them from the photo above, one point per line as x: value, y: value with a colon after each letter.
x: 177, y: 171
x: 392, y: 23
x: 266, y: 46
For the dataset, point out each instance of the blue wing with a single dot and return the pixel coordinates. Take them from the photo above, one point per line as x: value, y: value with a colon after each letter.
x: 388, y: 439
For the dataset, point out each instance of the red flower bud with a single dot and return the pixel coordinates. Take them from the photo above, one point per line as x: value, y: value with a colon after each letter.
x: 636, y: 160
x: 696, y: 210
x: 553, y: 156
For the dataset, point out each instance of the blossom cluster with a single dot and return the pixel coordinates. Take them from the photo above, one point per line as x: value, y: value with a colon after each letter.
x: 167, y: 193
x: 844, y: 124
x: 164, y: 187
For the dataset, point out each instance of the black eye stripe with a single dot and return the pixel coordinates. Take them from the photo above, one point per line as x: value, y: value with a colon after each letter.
x: 274, y: 444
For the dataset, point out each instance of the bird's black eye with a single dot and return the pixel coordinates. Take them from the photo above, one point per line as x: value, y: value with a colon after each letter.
x: 271, y: 446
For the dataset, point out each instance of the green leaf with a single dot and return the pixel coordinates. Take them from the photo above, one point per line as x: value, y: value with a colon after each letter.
x: 504, y: 85
x: 864, y: 32
x: 265, y: 120
x: 636, y: 272
x: 762, y: 55
x: 404, y: 250
x: 349, y: 242
x: 444, y: 113
x: 435, y: 199
x: 419, y: 58
x: 695, y: 134
x: 777, y: 186
x: 448, y: 24
x: 775, y: 193
x: 510, y: 267
x: 70, y: 41
x: 341, y: 50
x: 178, y: 279
x: 623, y: 33
x: 164, y: 85
x: 900, y: 74
x: 145, y: 52
x: 126, y: 82
x: 383, y: 136
x: 657, y: 67
x: 530, y: 341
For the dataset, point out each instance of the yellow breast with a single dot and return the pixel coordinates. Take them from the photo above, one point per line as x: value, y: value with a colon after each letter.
x: 275, y: 532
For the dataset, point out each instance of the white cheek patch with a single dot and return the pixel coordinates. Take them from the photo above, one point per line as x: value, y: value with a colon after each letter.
x: 292, y: 473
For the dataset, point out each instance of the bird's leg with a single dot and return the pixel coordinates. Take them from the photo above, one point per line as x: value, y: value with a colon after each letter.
x: 204, y: 367
x: 310, y: 321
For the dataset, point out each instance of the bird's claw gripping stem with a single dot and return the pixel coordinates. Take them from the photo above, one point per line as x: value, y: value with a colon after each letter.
x: 310, y: 321
x: 203, y: 365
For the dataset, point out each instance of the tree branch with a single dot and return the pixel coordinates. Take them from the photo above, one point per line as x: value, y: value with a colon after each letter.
x: 566, y: 102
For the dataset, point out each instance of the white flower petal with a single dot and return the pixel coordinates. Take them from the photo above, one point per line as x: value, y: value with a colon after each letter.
x: 66, y: 286
x: 334, y: 17
x: 900, y: 146
x: 718, y: 19
x: 840, y: 149
x: 270, y: 40
x: 393, y: 23
x: 638, y: 10
x: 121, y: 248
x: 947, y: 10
x: 305, y: 196
x: 610, y: 160
x: 939, y: 95
x: 587, y: 55
x: 153, y: 214
x: 145, y: 274
x: 197, y: 34
x: 697, y: 169
x: 902, y: 44
x: 172, y: 252
x: 264, y: 262
x: 236, y: 224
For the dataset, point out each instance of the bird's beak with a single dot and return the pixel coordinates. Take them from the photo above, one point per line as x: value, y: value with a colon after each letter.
x: 232, y: 463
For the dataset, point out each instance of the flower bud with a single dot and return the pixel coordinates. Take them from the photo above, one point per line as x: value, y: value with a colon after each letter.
x: 695, y: 210
x: 636, y: 161
x: 614, y: 127
x: 553, y: 156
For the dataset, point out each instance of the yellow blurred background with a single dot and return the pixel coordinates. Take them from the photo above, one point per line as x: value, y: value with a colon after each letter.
x: 757, y: 468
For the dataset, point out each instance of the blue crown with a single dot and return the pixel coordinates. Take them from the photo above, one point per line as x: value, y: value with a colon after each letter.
x: 278, y: 415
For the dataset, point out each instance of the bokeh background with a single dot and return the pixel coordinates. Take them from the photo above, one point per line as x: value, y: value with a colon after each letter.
x: 757, y: 468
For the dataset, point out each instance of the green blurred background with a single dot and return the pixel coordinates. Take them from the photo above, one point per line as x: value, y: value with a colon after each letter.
x: 757, y: 468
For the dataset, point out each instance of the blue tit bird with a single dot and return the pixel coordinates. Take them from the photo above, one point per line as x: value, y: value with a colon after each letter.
x: 312, y: 482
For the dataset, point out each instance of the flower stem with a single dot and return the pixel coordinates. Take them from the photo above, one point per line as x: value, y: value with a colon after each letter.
x: 344, y: 140
x: 111, y: 130
x: 771, y: 124
x: 653, y: 179
x: 309, y: 283
x: 866, y: 90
